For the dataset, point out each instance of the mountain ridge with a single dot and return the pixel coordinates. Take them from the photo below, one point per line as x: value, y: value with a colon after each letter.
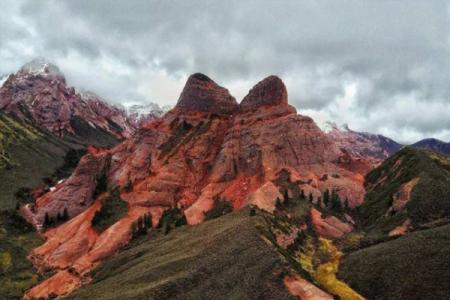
x: 195, y: 155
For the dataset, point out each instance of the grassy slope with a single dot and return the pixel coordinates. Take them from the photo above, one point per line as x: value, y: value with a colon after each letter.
x: 415, y: 266
x: 224, y: 258
x: 430, y: 199
x: 28, y: 156
x: 17, y: 274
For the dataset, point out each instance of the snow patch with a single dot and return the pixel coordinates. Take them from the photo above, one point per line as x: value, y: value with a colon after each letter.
x: 329, y: 126
x: 41, y: 67
x: 3, y: 80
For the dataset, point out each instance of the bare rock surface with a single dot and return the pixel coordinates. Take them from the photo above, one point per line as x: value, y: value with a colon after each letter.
x: 207, y: 147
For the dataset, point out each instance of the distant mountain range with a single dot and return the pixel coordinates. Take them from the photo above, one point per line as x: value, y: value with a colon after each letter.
x: 375, y: 146
x: 433, y: 144
x: 282, y: 208
x: 45, y: 125
x: 38, y: 93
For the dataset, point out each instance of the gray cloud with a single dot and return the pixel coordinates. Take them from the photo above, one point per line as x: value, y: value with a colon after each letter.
x: 380, y: 66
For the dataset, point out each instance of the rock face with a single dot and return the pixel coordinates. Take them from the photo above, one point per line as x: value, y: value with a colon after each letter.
x: 305, y: 290
x: 38, y: 93
x: 270, y: 91
x: 373, y: 147
x: 329, y: 227
x: 84, y: 185
x: 202, y: 94
x: 208, y: 147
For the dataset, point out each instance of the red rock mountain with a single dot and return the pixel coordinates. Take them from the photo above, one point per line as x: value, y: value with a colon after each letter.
x: 368, y: 146
x: 208, y: 147
x: 38, y: 92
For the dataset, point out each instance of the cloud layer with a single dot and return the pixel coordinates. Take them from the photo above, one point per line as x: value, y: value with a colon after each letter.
x: 380, y: 66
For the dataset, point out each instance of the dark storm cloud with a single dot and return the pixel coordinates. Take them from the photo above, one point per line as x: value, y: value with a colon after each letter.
x: 366, y: 63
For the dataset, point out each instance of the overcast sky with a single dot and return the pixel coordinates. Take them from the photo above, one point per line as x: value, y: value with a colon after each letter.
x: 380, y: 66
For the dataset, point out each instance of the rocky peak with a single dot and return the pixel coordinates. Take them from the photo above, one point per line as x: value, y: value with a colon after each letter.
x: 140, y: 114
x: 38, y: 92
x: 41, y: 67
x: 268, y: 92
x: 202, y: 94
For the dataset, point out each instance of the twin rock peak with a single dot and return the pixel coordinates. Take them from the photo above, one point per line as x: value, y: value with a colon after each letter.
x: 202, y: 94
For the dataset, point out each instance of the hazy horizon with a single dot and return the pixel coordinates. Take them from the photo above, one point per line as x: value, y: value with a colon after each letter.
x: 381, y: 67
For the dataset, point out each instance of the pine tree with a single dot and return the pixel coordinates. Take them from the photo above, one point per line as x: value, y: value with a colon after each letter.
x: 286, y: 196
x: 346, y: 204
x: 140, y: 224
x: 181, y: 220
x: 143, y: 229
x: 46, y: 220
x: 302, y: 194
x: 58, y: 217
x: 148, y: 220
x: 134, y: 229
x: 278, y: 203
x: 335, y: 201
x: 310, y: 197
x: 65, y: 214
x: 326, y: 198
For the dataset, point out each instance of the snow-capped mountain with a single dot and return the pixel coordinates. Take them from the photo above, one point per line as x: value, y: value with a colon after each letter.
x: 38, y: 93
x: 362, y: 144
x: 139, y: 114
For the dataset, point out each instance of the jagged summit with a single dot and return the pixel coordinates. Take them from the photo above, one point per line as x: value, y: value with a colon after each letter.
x: 38, y: 93
x: 201, y: 77
x: 202, y: 94
x: 267, y: 92
x: 41, y: 67
x: 329, y: 126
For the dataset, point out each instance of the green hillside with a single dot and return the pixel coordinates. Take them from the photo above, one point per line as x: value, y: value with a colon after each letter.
x: 28, y: 155
x: 415, y: 265
x: 430, y: 197
x: 17, y: 238
x: 224, y: 258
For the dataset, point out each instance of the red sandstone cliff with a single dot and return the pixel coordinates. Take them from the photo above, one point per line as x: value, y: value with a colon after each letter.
x: 207, y: 147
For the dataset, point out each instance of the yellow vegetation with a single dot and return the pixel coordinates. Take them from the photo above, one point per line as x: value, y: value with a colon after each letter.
x: 443, y: 159
x: 5, y: 261
x: 325, y: 274
x: 321, y: 262
x: 12, y: 131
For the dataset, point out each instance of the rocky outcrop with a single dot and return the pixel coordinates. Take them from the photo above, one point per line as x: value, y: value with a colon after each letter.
x: 329, y: 226
x: 206, y: 148
x: 268, y: 92
x: 304, y: 290
x: 202, y: 94
x: 78, y: 192
x: 369, y: 147
x: 403, y: 196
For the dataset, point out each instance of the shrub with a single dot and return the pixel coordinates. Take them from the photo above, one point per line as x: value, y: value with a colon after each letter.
x: 172, y: 218
x: 220, y: 208
x: 141, y: 225
x: 112, y: 210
